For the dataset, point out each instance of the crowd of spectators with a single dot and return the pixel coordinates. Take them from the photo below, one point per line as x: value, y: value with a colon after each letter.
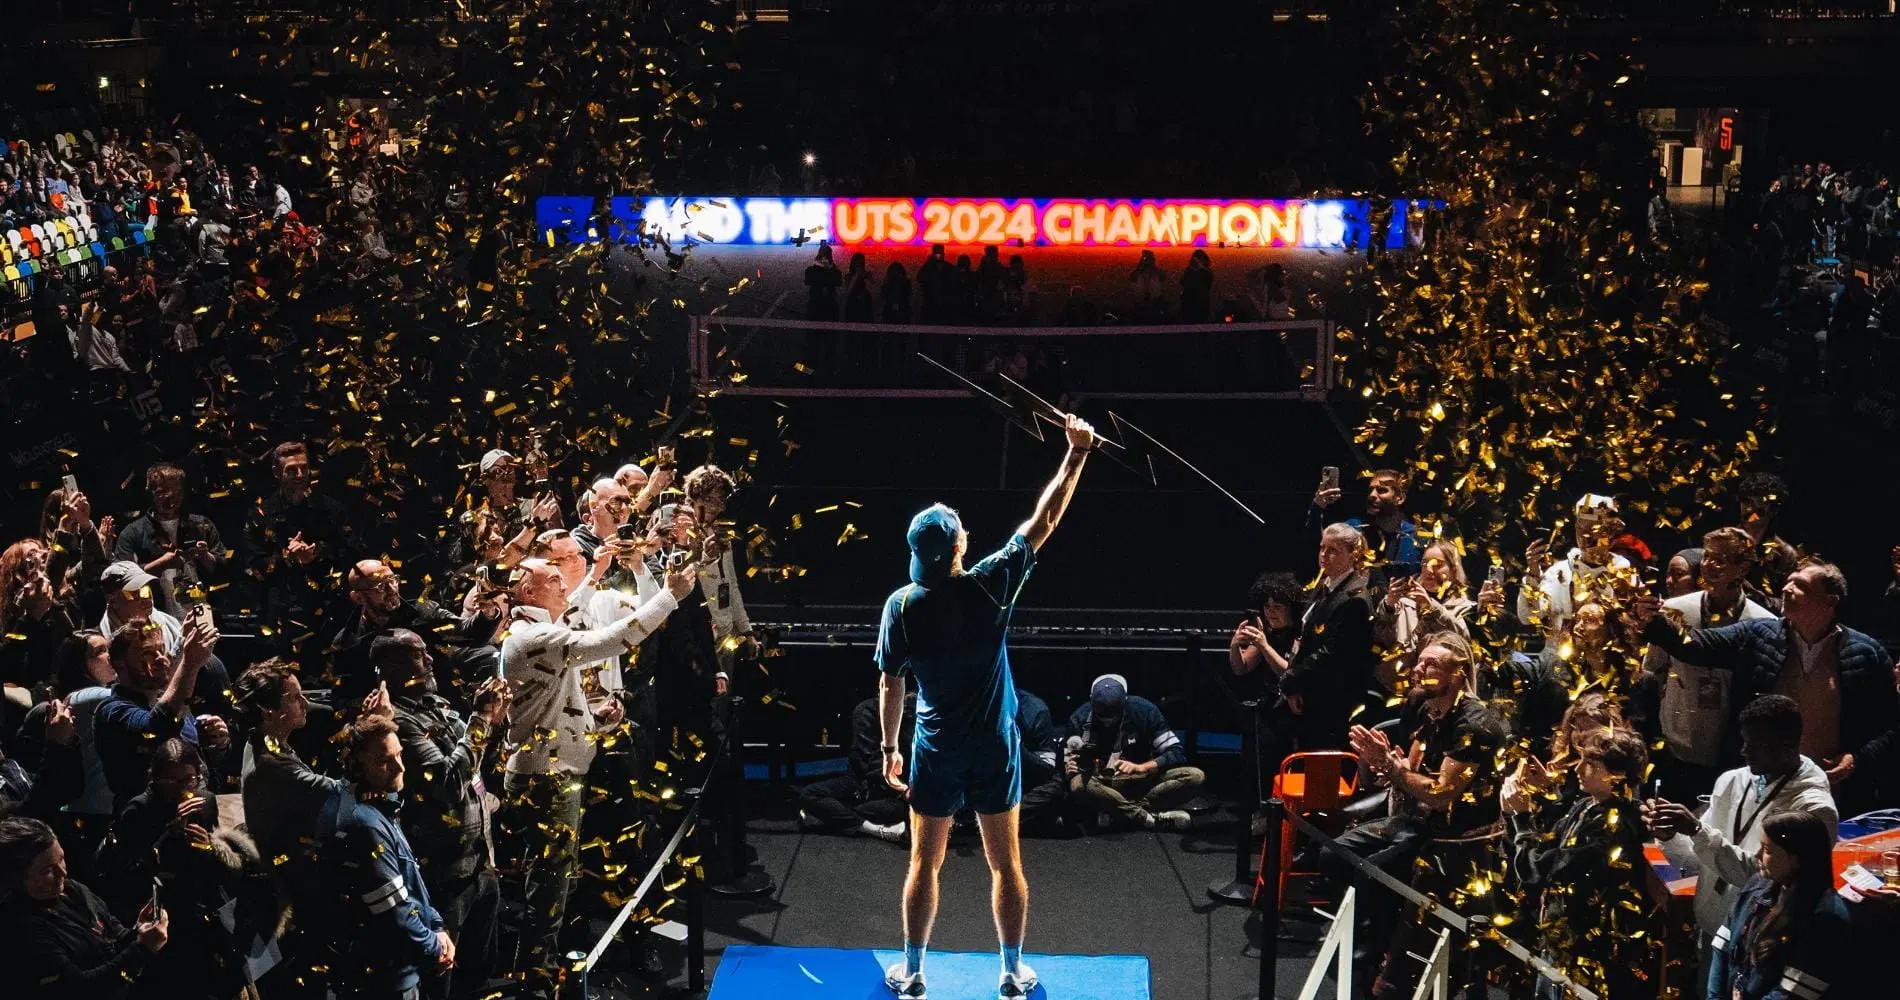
x: 382, y: 790
x: 1711, y: 701
x: 187, y: 246
x: 1823, y: 245
x: 992, y: 291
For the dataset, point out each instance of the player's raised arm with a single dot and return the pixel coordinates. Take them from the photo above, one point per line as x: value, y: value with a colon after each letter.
x: 1055, y: 496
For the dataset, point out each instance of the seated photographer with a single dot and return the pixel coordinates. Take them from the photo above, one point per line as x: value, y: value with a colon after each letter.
x: 1444, y: 796
x: 858, y: 801
x: 1123, y: 761
x: 1044, y: 784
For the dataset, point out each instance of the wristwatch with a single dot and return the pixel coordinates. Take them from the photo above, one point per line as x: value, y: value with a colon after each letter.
x: 889, y: 750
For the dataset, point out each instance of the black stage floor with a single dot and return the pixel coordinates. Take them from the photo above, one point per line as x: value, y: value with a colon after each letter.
x: 1139, y: 893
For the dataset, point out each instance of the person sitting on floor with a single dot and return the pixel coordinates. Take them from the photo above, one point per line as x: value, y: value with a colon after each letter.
x: 1124, y: 763
x: 858, y: 801
x: 1044, y: 784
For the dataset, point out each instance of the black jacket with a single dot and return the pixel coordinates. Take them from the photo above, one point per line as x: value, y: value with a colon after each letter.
x: 1041, y: 742
x: 67, y: 949
x: 291, y: 596
x: 1815, y: 952
x: 1141, y: 736
x: 461, y: 648
x: 1578, y: 886
x: 445, y: 820
x: 1331, y: 670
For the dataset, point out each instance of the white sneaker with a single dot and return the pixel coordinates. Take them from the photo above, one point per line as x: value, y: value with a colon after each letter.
x: 896, y: 833
x: 1017, y: 985
x: 1172, y: 819
x: 900, y: 985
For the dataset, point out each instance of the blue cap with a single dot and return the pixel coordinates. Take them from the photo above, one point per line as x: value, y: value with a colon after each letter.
x: 1107, y: 694
x: 933, y: 540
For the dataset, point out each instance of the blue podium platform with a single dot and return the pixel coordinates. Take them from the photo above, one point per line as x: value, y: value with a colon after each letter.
x: 752, y: 972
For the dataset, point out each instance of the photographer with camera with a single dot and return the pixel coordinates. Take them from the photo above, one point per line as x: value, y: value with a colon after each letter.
x: 647, y: 490
x: 683, y: 663
x: 1124, y: 762
x: 708, y: 490
x: 609, y: 512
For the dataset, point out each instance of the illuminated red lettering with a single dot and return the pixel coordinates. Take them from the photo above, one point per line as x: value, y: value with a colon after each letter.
x: 1194, y: 223
x: 1239, y: 224
x: 936, y: 222
x: 1159, y: 225
x: 1280, y: 228
x: 1091, y: 223
x: 1058, y: 223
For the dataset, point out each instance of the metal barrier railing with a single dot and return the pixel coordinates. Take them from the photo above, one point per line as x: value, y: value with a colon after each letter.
x: 581, y: 964
x: 1268, y: 906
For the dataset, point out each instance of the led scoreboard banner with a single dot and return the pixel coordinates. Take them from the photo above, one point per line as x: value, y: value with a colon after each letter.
x: 1327, y: 224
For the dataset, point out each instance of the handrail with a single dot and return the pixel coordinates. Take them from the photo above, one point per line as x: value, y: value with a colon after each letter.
x: 687, y: 821
x: 1431, y: 907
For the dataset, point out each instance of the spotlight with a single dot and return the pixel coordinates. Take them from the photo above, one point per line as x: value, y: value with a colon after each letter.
x: 811, y: 159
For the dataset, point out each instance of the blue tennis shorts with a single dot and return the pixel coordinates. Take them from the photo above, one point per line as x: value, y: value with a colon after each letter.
x: 984, y: 773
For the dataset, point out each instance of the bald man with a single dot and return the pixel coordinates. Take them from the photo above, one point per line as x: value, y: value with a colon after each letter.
x: 461, y: 644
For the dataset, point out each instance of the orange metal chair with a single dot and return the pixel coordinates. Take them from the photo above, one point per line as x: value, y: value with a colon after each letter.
x: 1314, y: 785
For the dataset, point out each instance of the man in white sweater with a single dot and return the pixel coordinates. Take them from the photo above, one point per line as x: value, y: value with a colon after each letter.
x: 1721, y: 846
x: 550, y: 730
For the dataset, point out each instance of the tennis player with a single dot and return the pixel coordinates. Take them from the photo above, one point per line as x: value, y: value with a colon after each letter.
x: 948, y: 628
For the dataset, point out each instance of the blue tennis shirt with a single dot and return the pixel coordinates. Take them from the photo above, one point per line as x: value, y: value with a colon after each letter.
x: 953, y: 638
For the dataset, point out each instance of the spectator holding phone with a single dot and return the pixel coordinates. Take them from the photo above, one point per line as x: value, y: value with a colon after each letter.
x: 550, y: 729
x: 1265, y: 638
x: 1434, y: 600
x: 183, y: 550
x: 132, y: 595
x: 166, y: 847
x: 1391, y: 536
x: 37, y: 612
x: 501, y: 520
x: 151, y: 703
x: 1722, y: 846
x: 1554, y: 590
x: 63, y: 942
x: 609, y: 508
